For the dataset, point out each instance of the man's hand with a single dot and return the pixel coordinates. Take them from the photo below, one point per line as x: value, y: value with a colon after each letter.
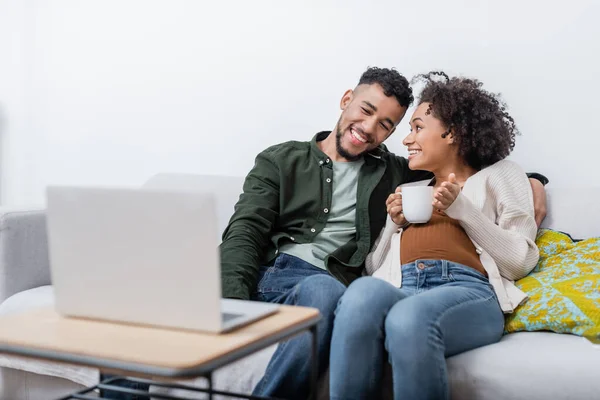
x: 539, y: 200
x: 394, y: 207
x: 446, y: 193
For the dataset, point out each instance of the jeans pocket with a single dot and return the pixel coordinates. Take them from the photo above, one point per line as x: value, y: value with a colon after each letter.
x: 264, y: 281
x: 263, y: 275
x: 271, y: 276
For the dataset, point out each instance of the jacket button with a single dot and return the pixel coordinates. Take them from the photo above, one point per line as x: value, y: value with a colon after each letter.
x: 328, y: 180
x: 421, y: 266
x: 313, y: 230
x: 292, y: 238
x: 326, y: 210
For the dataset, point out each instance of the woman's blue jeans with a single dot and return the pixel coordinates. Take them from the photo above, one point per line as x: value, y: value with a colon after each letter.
x: 442, y: 309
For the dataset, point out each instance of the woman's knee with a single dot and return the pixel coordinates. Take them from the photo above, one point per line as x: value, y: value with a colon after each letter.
x: 409, y: 322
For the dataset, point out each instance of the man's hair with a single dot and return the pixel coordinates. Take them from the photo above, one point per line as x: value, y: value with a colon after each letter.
x: 483, y: 130
x: 391, y: 81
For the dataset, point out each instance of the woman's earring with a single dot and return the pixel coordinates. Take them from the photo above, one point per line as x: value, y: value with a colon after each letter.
x: 446, y: 133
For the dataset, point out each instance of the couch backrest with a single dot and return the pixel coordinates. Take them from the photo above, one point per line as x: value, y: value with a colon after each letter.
x: 226, y: 188
x: 574, y: 210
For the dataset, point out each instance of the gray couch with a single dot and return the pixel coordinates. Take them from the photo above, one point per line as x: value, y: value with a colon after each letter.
x: 527, y: 366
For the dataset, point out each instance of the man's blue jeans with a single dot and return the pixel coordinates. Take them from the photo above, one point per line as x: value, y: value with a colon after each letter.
x: 442, y: 309
x: 293, y: 281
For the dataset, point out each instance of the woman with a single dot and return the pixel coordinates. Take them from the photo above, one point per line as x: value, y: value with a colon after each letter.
x: 454, y: 273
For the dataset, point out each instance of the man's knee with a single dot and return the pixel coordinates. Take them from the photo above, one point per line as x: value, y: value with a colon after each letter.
x: 319, y: 291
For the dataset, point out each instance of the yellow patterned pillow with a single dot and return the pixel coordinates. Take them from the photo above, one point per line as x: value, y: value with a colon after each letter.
x: 563, y: 289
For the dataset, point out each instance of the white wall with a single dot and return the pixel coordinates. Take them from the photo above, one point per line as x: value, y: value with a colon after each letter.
x: 114, y: 91
x: 16, y: 37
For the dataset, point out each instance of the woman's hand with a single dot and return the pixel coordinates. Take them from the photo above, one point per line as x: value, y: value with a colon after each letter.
x: 446, y: 193
x: 394, y: 207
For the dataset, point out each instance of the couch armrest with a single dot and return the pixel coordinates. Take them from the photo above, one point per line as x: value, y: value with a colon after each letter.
x: 24, y: 260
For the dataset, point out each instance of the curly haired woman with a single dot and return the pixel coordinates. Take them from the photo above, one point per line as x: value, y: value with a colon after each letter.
x: 446, y: 291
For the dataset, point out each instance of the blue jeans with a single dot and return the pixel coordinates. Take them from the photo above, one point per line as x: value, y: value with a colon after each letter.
x: 442, y: 309
x: 293, y: 281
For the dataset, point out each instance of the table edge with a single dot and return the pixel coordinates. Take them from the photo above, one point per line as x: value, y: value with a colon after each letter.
x: 165, y: 372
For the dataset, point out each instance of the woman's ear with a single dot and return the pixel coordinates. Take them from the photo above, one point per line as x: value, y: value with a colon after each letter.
x: 450, y: 135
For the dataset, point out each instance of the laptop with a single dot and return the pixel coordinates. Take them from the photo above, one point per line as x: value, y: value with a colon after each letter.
x: 146, y: 257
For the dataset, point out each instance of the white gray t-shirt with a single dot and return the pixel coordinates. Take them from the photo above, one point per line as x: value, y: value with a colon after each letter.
x: 341, y: 223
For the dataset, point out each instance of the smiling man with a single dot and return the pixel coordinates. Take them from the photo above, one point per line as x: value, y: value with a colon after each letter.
x: 363, y: 125
x: 309, y: 214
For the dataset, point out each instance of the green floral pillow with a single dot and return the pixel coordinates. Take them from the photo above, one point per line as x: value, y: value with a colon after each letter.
x: 563, y: 289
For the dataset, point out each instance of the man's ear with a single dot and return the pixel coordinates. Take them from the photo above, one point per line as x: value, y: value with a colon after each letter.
x: 346, y: 99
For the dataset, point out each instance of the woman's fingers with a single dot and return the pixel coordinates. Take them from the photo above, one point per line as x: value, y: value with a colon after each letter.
x: 394, y: 204
x: 393, y: 197
x: 442, y: 206
x: 453, y: 187
x: 396, y: 211
x: 444, y: 196
x: 396, y: 215
x: 389, y: 199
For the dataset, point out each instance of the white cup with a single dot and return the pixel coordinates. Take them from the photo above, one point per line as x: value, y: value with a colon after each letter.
x: 417, y: 204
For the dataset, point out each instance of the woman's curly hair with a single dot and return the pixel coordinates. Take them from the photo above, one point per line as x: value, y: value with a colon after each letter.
x: 483, y: 130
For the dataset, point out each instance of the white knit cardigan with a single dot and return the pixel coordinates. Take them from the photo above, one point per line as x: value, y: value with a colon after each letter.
x: 495, y: 208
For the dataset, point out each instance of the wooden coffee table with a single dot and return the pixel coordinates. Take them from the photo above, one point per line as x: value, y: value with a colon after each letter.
x: 158, y: 355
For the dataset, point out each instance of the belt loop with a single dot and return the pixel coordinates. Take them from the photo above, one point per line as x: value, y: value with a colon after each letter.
x: 444, y: 269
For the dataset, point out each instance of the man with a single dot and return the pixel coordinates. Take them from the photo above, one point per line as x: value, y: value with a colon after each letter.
x: 310, y: 212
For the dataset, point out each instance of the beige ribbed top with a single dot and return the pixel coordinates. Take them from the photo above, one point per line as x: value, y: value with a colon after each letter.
x: 495, y: 208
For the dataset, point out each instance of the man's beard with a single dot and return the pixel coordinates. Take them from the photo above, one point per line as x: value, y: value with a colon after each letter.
x: 343, y: 152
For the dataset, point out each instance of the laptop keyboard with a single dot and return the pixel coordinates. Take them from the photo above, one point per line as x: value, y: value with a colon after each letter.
x: 226, y: 317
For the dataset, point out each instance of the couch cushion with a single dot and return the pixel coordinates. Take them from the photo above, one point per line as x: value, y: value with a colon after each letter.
x: 563, y: 289
x: 528, y: 366
x: 238, y: 377
x: 23, y: 385
x: 41, y: 297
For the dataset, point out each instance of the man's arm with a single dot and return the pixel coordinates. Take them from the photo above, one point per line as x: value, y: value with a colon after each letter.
x: 249, y: 229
